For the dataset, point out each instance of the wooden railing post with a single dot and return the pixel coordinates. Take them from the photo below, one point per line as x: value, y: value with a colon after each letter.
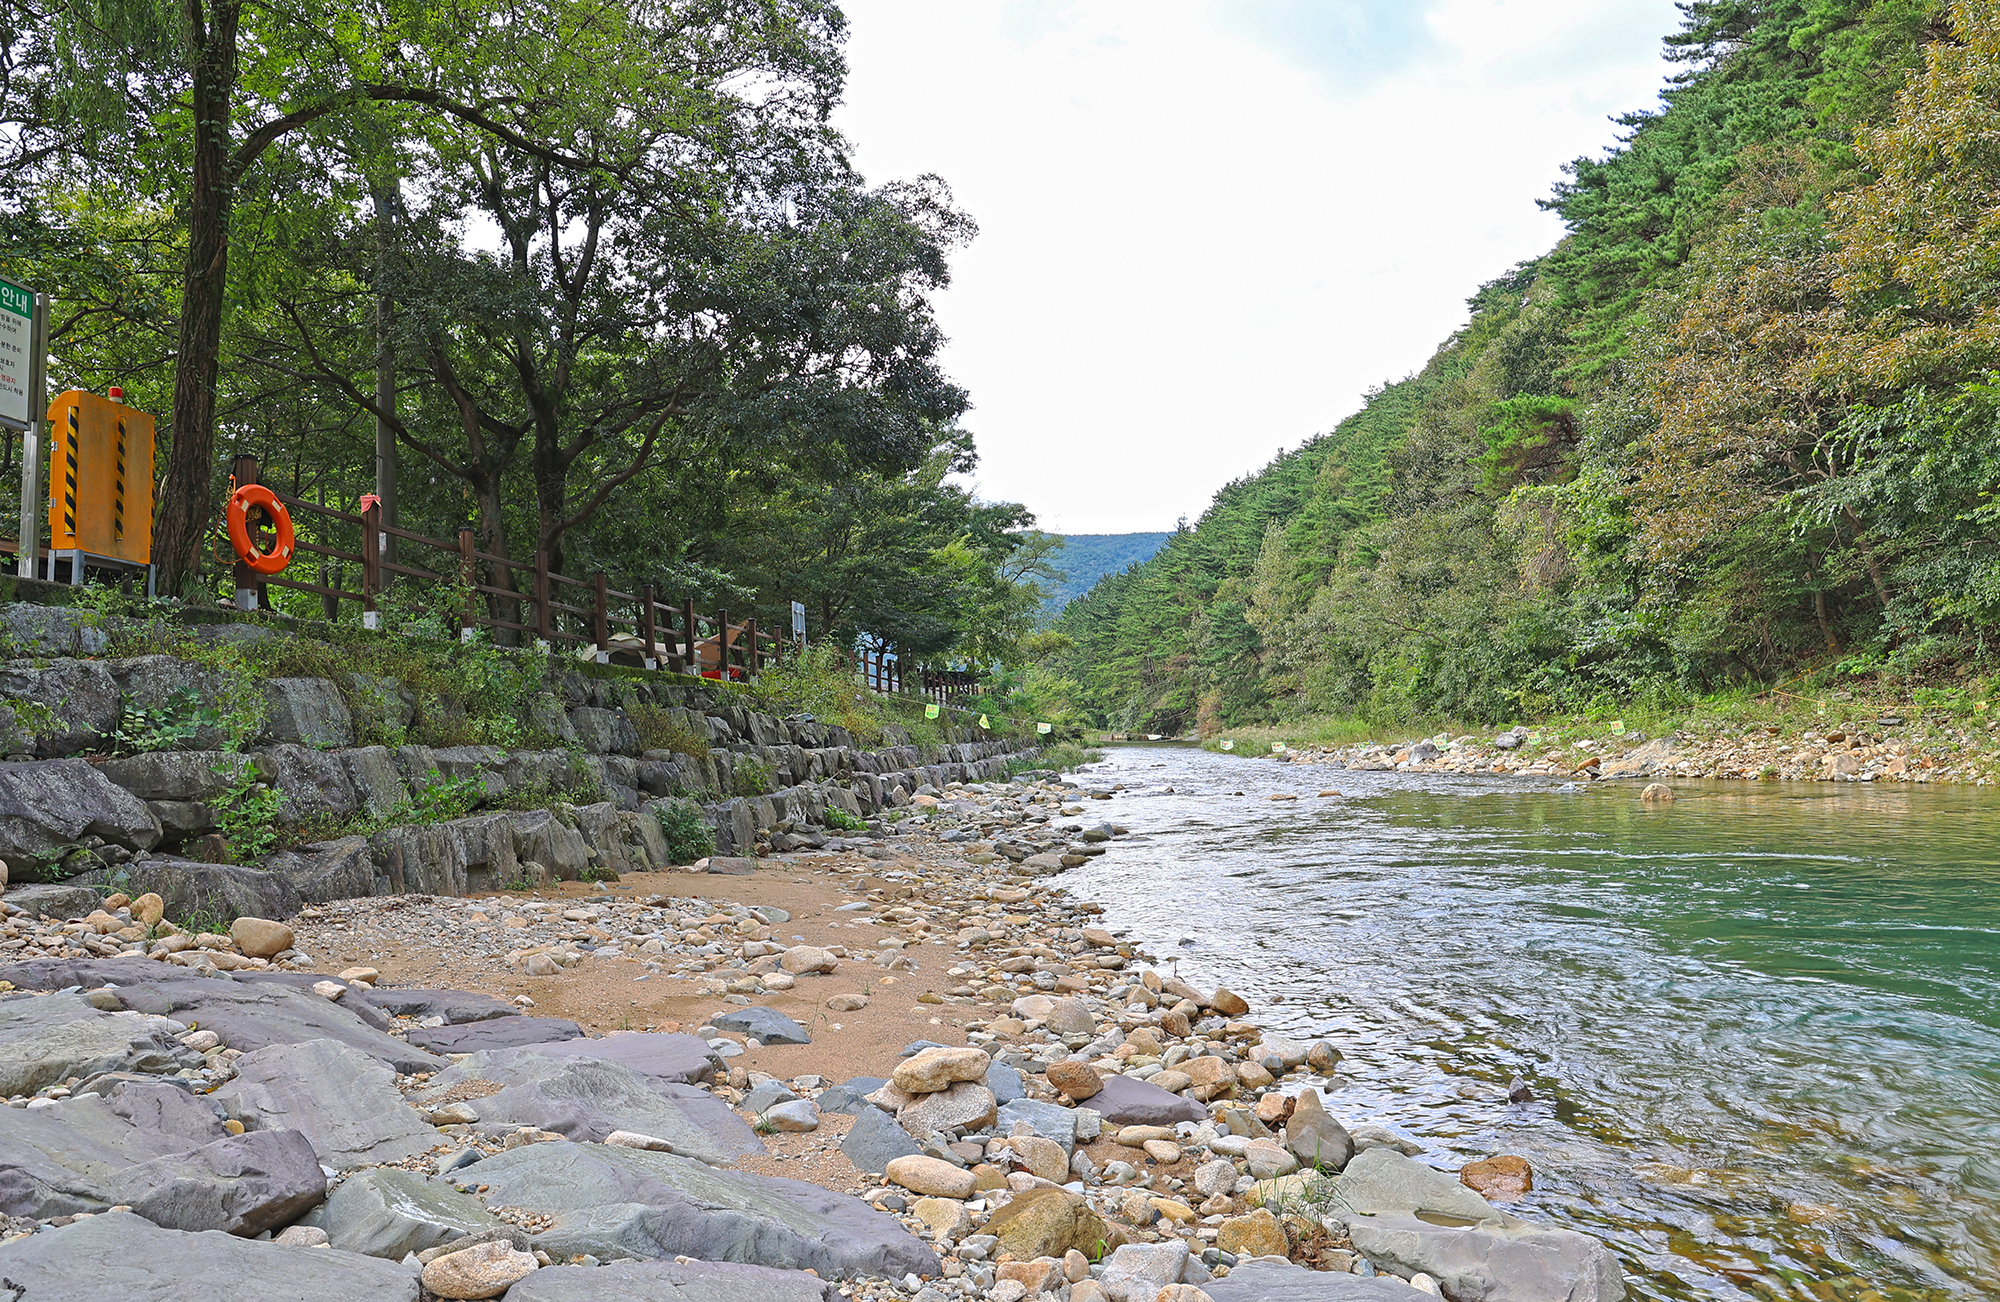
x: 750, y: 635
x: 468, y: 574
x: 249, y: 584
x: 371, y: 563
x: 545, y: 624
x: 647, y: 628
x: 722, y: 643
x: 602, y: 617
x: 691, y: 659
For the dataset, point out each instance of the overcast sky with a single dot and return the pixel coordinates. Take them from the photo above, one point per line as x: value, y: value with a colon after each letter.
x: 1208, y: 226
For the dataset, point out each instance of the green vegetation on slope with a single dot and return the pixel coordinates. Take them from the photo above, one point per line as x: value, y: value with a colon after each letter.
x: 1737, y: 430
x: 1087, y: 557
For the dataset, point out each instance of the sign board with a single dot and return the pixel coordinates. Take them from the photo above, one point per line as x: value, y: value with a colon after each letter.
x: 931, y: 711
x: 798, y: 619
x: 17, y: 356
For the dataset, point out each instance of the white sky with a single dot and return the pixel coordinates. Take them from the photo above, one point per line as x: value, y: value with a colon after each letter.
x: 1207, y: 226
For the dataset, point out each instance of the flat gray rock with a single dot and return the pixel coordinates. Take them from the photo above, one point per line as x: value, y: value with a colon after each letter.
x: 766, y: 1024
x: 46, y: 1039
x: 1006, y: 1083
x: 875, y: 1140
x: 586, y: 1099
x: 159, y: 1150
x: 390, y: 1213
x: 249, y: 1010
x: 623, y: 1202
x: 45, y: 900
x: 345, y: 1103
x: 672, y: 1281
x: 495, y: 1033
x: 851, y: 1096
x: 1267, y: 1281
x: 1128, y: 1102
x: 457, y: 1007
x: 1381, y: 1180
x: 126, y: 1258
x: 662, y: 1057
x: 1049, y: 1120
x: 1515, y: 1262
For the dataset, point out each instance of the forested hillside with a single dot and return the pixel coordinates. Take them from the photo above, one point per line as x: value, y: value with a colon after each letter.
x: 1087, y: 557
x: 1738, y: 428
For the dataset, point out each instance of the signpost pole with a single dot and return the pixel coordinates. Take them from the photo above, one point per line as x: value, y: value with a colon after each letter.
x: 34, y: 494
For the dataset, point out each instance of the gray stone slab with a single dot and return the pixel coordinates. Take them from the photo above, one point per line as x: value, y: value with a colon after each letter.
x: 621, y: 1202
x: 1268, y: 1281
x: 661, y: 1057
x: 586, y: 1099
x: 344, y: 1102
x: 125, y: 1258
x: 766, y: 1024
x: 1381, y: 1180
x: 1512, y: 1262
x: 495, y: 1033
x: 1006, y: 1083
x: 1048, y: 1120
x: 387, y: 1212
x: 52, y: 900
x: 875, y: 1140
x: 851, y: 1096
x: 672, y: 1281
x: 158, y: 1150
x: 457, y: 1007
x: 46, y: 1039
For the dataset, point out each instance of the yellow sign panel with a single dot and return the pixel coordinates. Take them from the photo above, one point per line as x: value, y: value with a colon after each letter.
x: 100, y: 477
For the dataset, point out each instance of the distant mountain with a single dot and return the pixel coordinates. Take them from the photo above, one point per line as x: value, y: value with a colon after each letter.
x: 1087, y: 557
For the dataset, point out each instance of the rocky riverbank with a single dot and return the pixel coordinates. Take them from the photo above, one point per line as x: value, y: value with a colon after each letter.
x: 906, y: 1064
x: 1886, y: 749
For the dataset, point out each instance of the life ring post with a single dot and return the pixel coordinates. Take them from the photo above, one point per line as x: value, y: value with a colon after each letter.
x: 254, y: 565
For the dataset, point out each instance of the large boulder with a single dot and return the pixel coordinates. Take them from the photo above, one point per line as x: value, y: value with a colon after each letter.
x: 1045, y: 1222
x: 1381, y: 1181
x: 344, y: 1102
x: 46, y: 1040
x: 158, y: 1150
x: 47, y: 806
x: 875, y: 1140
x: 672, y: 1281
x: 390, y: 1213
x: 63, y: 707
x: 765, y: 1024
x: 126, y: 1258
x: 308, y: 711
x: 1315, y: 1137
x: 623, y: 1202
x: 587, y: 1099
x: 183, y: 775
x: 189, y: 887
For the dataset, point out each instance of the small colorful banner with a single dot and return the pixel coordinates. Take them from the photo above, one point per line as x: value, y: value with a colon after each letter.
x: 1044, y: 728
x: 983, y: 723
x: 1229, y: 745
x: 1617, y: 725
x: 931, y: 711
x: 1277, y: 748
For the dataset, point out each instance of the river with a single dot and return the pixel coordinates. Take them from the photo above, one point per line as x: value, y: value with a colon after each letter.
x: 1762, y: 1023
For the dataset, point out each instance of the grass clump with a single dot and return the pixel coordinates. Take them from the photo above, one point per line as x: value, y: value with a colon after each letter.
x: 685, y: 828
x: 659, y: 730
x: 1063, y: 757
x: 748, y: 777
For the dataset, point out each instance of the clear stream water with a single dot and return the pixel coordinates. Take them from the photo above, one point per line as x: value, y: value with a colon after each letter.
x: 1762, y: 1023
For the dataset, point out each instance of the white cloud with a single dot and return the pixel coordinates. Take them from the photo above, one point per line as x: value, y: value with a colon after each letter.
x: 1206, y: 228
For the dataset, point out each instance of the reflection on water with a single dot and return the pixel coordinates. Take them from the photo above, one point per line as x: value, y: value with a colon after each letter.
x: 1763, y: 1023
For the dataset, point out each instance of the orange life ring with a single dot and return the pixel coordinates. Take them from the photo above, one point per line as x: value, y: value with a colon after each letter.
x: 240, y: 502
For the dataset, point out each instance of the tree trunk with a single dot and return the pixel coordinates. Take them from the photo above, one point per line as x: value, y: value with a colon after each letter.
x: 186, y: 504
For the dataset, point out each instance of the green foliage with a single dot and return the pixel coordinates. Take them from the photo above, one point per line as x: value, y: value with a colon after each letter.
x: 842, y: 821
x: 167, y: 727
x: 686, y: 829
x: 659, y: 730
x: 748, y: 777
x: 248, y: 811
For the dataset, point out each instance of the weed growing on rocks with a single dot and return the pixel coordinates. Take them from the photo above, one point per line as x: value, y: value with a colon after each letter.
x: 686, y: 829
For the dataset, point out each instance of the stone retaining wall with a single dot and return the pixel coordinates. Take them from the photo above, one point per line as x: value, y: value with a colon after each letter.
x: 137, y: 813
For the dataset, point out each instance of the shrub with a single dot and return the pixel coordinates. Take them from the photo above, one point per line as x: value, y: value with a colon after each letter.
x: 686, y: 829
x: 659, y: 730
x: 752, y: 777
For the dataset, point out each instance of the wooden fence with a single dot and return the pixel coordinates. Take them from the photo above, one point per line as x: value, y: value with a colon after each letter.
x: 520, y: 600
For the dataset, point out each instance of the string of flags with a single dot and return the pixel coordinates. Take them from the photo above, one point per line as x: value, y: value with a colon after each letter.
x: 933, y: 710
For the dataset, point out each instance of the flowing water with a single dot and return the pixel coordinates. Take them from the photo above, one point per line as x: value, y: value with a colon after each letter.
x: 1762, y: 1023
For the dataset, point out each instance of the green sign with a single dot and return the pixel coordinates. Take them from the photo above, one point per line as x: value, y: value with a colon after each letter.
x: 17, y: 354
